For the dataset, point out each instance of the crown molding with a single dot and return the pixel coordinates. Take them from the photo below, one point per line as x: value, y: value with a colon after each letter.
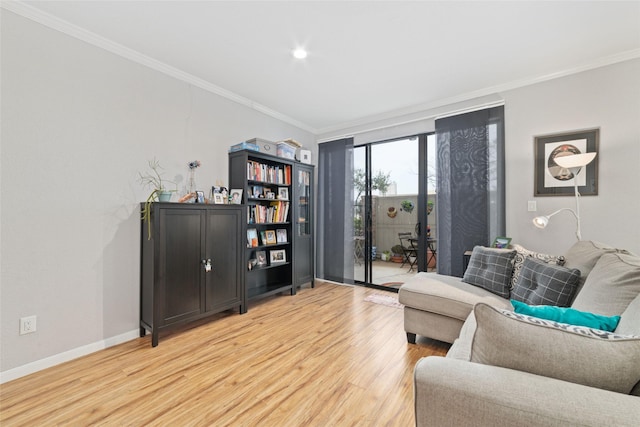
x: 72, y: 30
x: 528, y: 81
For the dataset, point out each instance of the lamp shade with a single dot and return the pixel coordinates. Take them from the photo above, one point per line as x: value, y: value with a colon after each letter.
x: 575, y: 160
x: 541, y: 221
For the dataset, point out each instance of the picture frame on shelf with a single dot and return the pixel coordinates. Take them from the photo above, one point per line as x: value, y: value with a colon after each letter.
x: 235, y: 197
x: 261, y: 256
x: 271, y: 237
x: 263, y: 237
x: 252, y: 238
x: 281, y: 235
x: 270, y: 195
x: 278, y: 256
x: 257, y: 192
x: 552, y: 180
x: 283, y: 193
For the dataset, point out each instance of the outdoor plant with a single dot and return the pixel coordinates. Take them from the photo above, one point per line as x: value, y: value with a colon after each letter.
x: 429, y: 206
x: 397, y: 250
x: 407, y: 206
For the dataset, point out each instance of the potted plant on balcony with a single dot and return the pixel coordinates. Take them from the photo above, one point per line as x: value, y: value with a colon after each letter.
x: 385, y: 256
x: 397, y: 252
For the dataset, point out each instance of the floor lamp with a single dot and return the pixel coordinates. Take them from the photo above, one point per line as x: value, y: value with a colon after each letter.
x: 574, y: 163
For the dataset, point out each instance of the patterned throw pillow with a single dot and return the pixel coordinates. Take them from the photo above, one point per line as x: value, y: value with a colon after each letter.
x: 490, y: 269
x: 522, y: 253
x: 545, y: 284
x: 570, y: 353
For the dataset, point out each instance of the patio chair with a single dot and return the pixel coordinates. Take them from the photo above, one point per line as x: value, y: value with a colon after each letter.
x: 408, y: 249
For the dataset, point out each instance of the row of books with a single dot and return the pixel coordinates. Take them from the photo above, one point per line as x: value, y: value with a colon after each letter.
x: 276, y: 211
x: 257, y: 171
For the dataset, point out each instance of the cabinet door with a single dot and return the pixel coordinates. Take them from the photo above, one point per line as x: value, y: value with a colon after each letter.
x: 303, y: 225
x: 223, y: 284
x: 179, y: 264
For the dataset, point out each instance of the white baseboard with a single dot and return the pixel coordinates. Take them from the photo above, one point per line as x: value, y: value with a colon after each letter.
x: 57, y: 359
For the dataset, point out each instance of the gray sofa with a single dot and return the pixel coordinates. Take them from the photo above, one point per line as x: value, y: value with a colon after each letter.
x: 505, y: 368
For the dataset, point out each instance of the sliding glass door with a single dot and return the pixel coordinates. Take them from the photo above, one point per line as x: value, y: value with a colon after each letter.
x: 390, y: 197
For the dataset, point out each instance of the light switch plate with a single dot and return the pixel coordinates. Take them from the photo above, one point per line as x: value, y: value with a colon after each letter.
x: 532, y: 206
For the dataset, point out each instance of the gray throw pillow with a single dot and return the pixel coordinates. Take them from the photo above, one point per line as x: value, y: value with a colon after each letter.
x: 522, y: 253
x: 490, y: 269
x: 545, y: 284
x: 571, y: 353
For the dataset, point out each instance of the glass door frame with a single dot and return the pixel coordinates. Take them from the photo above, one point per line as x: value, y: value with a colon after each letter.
x: 368, y: 206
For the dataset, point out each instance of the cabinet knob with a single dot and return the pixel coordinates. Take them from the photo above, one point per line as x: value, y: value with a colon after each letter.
x: 207, y: 265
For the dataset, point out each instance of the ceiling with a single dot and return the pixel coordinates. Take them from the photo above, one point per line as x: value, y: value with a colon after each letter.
x: 367, y: 60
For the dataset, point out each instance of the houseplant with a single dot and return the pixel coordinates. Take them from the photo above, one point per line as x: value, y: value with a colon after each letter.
x: 153, y: 179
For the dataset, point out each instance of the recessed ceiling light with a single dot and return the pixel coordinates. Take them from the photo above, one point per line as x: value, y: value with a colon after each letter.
x: 299, y: 53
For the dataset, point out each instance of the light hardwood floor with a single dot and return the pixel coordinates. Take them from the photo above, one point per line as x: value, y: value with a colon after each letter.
x: 324, y: 357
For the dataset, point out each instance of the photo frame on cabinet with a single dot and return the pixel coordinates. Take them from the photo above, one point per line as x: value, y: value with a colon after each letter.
x: 271, y: 237
x: 278, y: 256
x: 283, y: 193
x: 552, y: 180
x: 236, y: 196
x: 199, y: 197
x: 218, y: 198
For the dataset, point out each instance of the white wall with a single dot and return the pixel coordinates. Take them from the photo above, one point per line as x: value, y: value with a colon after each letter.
x: 78, y: 123
x: 606, y: 97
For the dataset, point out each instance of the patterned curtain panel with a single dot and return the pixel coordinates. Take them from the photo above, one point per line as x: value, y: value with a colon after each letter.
x: 335, y: 217
x: 471, y: 187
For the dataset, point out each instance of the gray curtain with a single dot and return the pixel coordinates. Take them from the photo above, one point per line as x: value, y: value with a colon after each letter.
x: 335, y: 212
x: 471, y: 187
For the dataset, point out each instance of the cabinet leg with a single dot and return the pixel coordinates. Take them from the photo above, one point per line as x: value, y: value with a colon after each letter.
x: 143, y: 331
x: 411, y: 338
x: 154, y: 338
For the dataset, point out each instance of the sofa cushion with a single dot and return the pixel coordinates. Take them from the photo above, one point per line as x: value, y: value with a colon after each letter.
x: 567, y: 315
x: 583, y: 256
x: 630, y: 319
x: 611, y: 285
x: 522, y: 253
x: 570, y: 353
x: 490, y: 269
x: 445, y: 295
x: 545, y: 284
x: 461, y: 347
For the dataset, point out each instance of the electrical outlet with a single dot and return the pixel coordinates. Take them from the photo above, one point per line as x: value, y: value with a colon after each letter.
x: 532, y: 206
x: 27, y: 325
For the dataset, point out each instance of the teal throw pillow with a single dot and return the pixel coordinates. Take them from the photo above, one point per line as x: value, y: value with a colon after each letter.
x: 567, y: 315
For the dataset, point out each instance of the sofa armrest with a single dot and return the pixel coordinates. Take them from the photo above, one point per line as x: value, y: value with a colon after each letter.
x: 452, y: 392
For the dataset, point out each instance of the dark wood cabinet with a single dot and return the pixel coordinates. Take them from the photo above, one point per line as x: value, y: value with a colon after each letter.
x: 303, y: 224
x: 191, y: 266
x: 274, y: 201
